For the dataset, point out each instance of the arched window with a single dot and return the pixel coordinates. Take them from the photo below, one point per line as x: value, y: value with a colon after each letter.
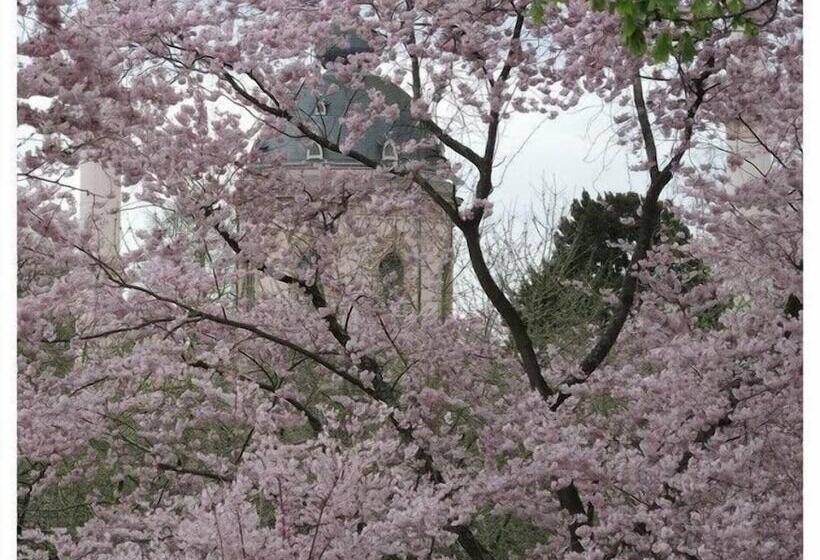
x: 321, y: 107
x: 306, y: 267
x: 314, y: 152
x: 389, y: 153
x: 391, y: 276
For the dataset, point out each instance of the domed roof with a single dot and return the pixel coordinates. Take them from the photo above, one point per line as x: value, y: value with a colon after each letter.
x: 326, y: 111
x: 342, y: 46
x: 327, y: 107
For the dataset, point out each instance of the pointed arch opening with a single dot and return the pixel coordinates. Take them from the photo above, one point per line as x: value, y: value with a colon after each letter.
x: 390, y: 155
x: 314, y: 152
x: 391, y: 276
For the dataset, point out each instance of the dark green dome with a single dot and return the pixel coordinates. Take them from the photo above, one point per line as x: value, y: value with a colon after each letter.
x: 343, y: 46
x: 326, y: 110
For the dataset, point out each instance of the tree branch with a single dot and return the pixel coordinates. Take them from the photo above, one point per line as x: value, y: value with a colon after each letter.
x: 510, y: 315
x: 650, y: 216
x: 115, y: 277
x: 195, y: 472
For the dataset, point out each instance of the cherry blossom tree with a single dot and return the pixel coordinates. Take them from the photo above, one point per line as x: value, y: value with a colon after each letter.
x: 186, y: 419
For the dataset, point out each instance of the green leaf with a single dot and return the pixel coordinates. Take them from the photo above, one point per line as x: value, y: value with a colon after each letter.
x: 537, y: 11
x: 686, y: 47
x: 630, y: 26
x: 668, y: 9
x: 627, y: 8
x: 635, y: 42
x: 663, y: 48
x: 750, y: 28
x: 701, y: 8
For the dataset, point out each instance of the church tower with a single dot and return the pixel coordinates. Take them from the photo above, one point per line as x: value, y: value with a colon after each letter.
x: 410, y: 259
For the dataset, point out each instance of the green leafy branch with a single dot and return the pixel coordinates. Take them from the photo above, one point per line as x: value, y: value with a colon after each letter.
x: 685, y: 23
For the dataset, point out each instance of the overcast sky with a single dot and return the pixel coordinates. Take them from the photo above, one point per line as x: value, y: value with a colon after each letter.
x: 573, y: 152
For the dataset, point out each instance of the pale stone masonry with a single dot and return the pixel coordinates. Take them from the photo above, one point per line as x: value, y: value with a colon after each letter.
x: 100, y: 207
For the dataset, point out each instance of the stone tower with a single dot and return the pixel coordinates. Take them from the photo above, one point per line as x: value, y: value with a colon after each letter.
x: 742, y: 142
x: 411, y: 258
x: 100, y: 205
x: 741, y: 132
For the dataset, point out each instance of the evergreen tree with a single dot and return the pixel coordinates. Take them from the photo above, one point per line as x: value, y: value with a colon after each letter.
x: 565, y: 295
